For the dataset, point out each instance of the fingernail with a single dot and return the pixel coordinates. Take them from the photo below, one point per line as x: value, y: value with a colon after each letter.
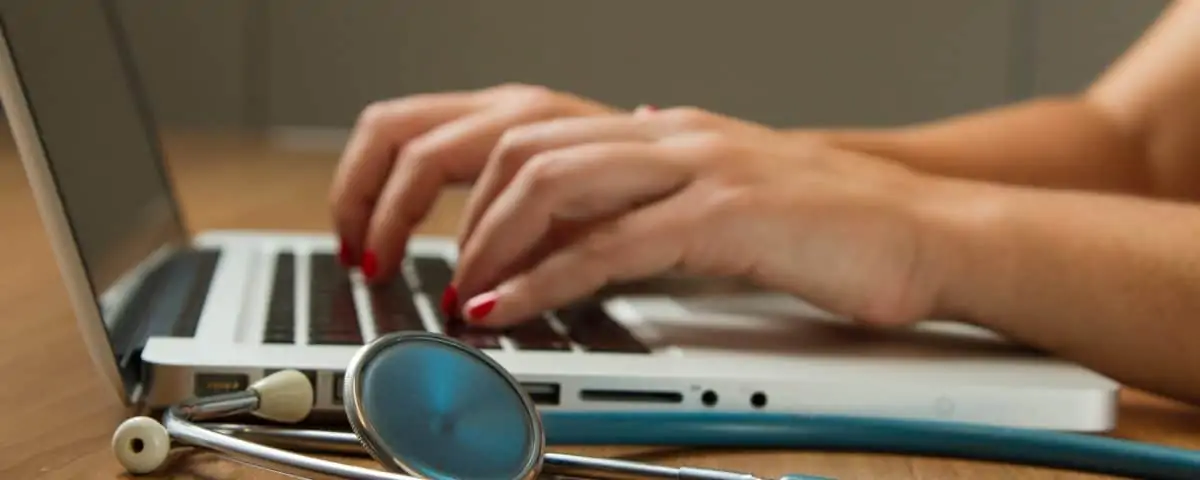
x: 450, y: 300
x: 369, y: 267
x: 480, y: 306
x: 345, y: 255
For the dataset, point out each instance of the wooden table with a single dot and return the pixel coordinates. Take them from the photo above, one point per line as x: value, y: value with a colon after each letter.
x: 56, y: 416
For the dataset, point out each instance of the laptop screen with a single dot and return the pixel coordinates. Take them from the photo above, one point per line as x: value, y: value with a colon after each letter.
x: 101, y: 149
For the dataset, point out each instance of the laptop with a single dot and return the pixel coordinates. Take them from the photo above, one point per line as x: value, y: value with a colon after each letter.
x: 169, y: 315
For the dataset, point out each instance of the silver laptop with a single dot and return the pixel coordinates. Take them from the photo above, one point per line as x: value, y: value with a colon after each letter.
x: 168, y: 315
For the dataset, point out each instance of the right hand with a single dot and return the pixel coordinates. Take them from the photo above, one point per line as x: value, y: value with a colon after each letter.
x: 404, y: 151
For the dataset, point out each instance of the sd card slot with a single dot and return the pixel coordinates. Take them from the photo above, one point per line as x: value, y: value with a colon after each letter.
x: 631, y: 396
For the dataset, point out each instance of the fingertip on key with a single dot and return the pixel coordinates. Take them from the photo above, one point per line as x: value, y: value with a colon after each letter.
x: 346, y: 255
x: 477, y: 308
x: 450, y: 300
x: 370, y: 265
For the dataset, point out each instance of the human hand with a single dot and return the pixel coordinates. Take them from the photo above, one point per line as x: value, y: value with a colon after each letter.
x: 690, y: 191
x: 403, y: 152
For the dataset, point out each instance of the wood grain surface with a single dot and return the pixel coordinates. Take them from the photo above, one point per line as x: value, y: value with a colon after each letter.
x: 56, y: 417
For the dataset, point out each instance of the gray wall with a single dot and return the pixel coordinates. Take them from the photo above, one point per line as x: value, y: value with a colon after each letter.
x: 317, y: 62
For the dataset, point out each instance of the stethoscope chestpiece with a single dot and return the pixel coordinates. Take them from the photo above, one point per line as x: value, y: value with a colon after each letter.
x: 430, y: 406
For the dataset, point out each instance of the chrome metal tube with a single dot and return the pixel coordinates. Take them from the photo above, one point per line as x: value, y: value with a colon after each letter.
x: 553, y: 463
x: 323, y: 441
x: 573, y: 464
x: 268, y: 458
x: 217, y: 406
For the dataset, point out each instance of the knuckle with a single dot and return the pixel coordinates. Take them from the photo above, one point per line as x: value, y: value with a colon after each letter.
x: 380, y: 113
x: 534, y: 98
x: 516, y: 146
x: 688, y: 118
x: 542, y: 175
x: 515, y: 88
x: 728, y: 200
x: 376, y: 114
x: 601, y: 245
x: 420, y: 155
x: 706, y: 146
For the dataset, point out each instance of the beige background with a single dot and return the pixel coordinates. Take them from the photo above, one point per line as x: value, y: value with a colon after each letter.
x: 317, y: 62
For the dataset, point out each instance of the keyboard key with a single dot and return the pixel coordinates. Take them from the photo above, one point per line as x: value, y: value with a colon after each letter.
x: 393, y: 307
x: 478, y: 337
x: 589, y: 326
x: 434, y: 274
x: 281, y: 313
x: 536, y: 334
x: 333, y: 319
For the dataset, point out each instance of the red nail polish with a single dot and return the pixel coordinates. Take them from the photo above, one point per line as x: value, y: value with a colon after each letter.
x: 450, y: 301
x: 345, y: 256
x: 480, y: 306
x: 369, y: 267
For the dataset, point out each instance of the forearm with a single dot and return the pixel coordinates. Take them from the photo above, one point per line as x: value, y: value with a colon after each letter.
x: 1107, y: 281
x: 1060, y: 142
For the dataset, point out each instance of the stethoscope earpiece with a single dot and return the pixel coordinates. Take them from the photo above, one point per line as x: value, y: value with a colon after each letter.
x: 141, y: 444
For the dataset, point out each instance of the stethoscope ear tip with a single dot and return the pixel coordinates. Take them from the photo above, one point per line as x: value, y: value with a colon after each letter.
x: 285, y: 396
x: 141, y: 444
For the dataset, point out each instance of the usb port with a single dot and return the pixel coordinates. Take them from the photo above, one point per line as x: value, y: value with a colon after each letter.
x: 207, y: 384
x: 542, y: 393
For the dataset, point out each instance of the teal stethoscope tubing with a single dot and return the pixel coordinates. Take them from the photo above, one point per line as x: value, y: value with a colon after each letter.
x: 1059, y: 450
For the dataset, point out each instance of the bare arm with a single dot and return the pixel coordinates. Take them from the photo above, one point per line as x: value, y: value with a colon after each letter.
x: 1112, y: 282
x: 1135, y: 130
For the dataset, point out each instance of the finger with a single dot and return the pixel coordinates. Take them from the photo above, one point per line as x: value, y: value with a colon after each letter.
x: 382, y: 131
x: 579, y: 183
x: 559, y: 235
x: 646, y: 242
x: 518, y: 145
x: 453, y: 152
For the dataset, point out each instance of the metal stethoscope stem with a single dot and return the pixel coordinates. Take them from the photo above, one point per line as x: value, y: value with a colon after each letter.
x: 179, y: 426
x: 557, y: 463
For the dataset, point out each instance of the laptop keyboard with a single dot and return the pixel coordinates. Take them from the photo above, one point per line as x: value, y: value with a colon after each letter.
x: 333, y: 318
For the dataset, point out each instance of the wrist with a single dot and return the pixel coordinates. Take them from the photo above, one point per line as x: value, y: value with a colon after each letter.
x: 963, y: 245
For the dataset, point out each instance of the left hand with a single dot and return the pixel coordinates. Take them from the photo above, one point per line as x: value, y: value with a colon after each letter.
x: 691, y: 191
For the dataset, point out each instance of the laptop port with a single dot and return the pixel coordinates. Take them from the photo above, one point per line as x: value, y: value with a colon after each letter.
x: 631, y: 396
x: 758, y: 400
x: 208, y: 384
x: 542, y: 393
x: 338, y: 380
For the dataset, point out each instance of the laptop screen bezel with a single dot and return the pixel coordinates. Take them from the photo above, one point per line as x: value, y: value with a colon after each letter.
x: 84, y: 295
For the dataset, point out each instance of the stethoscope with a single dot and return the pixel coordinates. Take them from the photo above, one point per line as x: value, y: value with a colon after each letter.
x: 427, y: 406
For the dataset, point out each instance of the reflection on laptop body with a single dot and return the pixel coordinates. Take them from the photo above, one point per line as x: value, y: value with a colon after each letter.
x: 168, y: 315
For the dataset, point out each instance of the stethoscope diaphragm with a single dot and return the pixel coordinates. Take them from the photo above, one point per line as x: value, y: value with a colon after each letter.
x: 428, y: 406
